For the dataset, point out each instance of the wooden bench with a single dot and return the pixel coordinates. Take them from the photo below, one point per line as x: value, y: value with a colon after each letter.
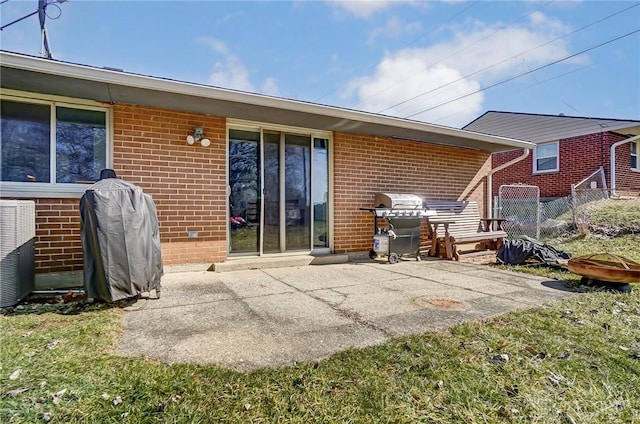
x: 464, y: 226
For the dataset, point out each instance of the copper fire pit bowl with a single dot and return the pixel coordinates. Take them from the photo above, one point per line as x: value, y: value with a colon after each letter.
x: 606, y: 267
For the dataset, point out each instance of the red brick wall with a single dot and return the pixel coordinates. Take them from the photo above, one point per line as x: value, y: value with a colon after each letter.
x: 364, y: 165
x: 626, y: 179
x: 579, y: 157
x: 58, y: 245
x: 187, y: 183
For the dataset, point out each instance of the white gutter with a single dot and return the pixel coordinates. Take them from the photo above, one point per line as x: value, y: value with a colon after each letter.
x: 612, y: 158
x: 524, y: 155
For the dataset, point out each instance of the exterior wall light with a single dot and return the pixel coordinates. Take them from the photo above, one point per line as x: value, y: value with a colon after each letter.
x: 198, y: 135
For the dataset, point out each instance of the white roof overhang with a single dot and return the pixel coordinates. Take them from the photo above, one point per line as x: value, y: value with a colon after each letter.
x: 33, y: 74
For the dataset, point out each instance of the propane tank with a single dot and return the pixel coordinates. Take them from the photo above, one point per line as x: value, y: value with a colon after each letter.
x: 381, y: 243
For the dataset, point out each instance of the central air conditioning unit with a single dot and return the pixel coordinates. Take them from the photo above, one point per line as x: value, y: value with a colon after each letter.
x: 17, y: 250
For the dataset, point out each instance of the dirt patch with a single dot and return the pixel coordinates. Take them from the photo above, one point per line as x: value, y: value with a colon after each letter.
x: 441, y: 303
x: 488, y: 258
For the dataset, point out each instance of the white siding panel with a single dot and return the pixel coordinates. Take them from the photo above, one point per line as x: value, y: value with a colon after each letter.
x: 545, y: 128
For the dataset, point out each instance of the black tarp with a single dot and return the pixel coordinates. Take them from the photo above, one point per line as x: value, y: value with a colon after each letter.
x: 517, y: 252
x: 120, y: 240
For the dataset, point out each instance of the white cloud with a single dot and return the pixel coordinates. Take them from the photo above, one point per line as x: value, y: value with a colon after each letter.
x: 216, y: 45
x: 361, y: 8
x: 270, y: 87
x: 230, y: 72
x: 394, y: 27
x: 404, y: 76
x: 540, y: 19
x: 443, y: 72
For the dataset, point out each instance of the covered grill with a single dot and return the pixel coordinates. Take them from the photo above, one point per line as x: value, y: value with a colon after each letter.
x: 403, y: 213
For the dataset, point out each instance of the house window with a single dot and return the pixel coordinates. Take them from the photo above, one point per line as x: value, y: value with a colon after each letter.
x: 52, y: 143
x: 634, y: 156
x: 545, y: 158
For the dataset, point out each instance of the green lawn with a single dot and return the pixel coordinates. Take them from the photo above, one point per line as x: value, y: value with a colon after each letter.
x: 614, y: 216
x: 577, y: 361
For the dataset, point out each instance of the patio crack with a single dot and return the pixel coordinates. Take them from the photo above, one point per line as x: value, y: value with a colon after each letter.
x: 345, y: 313
x: 498, y: 296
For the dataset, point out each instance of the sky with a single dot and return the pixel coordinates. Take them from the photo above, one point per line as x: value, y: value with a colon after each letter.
x: 444, y: 62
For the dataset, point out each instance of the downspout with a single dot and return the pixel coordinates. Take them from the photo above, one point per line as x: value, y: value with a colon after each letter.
x: 612, y: 158
x: 524, y: 155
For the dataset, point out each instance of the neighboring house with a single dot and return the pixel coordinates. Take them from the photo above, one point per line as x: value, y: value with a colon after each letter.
x: 568, y: 149
x: 232, y: 174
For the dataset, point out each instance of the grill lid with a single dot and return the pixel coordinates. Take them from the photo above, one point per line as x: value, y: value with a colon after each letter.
x: 398, y: 201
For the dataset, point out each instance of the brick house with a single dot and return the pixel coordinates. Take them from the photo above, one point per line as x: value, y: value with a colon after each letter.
x: 568, y: 149
x: 233, y: 174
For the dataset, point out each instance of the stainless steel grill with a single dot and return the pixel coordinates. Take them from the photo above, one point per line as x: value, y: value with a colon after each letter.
x: 403, y: 213
x: 398, y: 200
x: 399, y: 205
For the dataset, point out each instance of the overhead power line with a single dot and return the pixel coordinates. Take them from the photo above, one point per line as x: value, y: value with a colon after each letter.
x: 395, y: 84
x: 451, y: 55
x: 505, y: 60
x: 41, y: 11
x: 416, y: 40
x: 524, y: 73
x: 564, y: 74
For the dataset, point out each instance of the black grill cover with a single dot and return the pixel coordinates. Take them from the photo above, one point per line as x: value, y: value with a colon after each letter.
x: 121, y: 241
x: 517, y: 252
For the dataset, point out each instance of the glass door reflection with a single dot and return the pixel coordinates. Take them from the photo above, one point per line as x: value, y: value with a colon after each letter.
x: 320, y: 193
x: 297, y: 186
x: 271, y: 193
x: 244, y: 196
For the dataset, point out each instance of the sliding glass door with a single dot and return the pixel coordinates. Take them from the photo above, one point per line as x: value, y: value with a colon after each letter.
x: 278, y: 197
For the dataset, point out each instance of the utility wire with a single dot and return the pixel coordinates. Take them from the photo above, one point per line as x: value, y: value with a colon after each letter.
x: 414, y: 40
x: 506, y: 60
x: 440, y: 118
x: 451, y: 55
x: 411, y: 76
x: 524, y: 73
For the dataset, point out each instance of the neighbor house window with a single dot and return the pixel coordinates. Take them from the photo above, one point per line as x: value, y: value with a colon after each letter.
x: 545, y: 158
x: 51, y: 142
x: 634, y: 156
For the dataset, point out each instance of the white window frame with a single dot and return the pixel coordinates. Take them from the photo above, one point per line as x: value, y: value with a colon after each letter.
x: 635, y: 155
x: 536, y: 157
x: 52, y: 189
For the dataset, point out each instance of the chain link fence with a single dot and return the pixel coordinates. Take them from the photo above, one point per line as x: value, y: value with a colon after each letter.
x: 519, y: 205
x: 556, y: 217
x: 591, y: 209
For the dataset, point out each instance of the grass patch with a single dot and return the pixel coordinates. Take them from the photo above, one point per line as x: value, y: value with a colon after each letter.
x: 614, y: 216
x: 627, y: 245
x: 575, y: 361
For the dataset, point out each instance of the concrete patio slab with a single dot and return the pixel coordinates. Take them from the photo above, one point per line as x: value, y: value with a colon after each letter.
x: 250, y: 319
